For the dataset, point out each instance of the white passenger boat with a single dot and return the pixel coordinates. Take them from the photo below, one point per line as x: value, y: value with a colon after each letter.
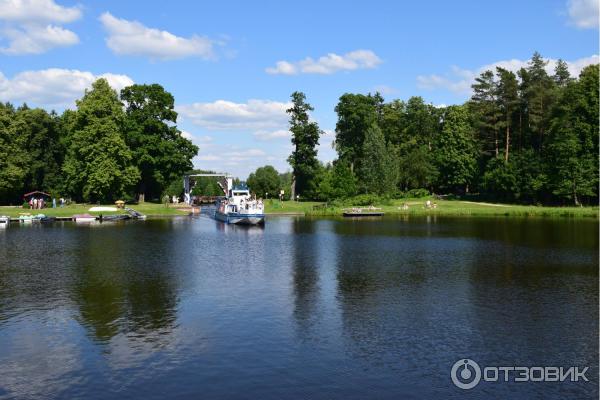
x: 238, y: 206
x: 4, y: 221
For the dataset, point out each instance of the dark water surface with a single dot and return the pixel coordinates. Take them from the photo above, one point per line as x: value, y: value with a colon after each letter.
x: 304, y: 308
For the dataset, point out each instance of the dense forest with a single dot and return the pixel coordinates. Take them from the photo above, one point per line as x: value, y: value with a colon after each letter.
x: 529, y: 137
x: 110, y: 147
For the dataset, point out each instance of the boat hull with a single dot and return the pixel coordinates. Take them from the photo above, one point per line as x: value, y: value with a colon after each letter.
x: 240, y: 219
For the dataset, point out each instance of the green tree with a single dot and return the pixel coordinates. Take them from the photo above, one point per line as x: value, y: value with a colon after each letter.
x: 508, y: 101
x: 377, y: 173
x: 13, y: 158
x: 265, y: 180
x: 456, y: 154
x: 484, y: 104
x: 421, y: 123
x: 305, y: 138
x: 539, y: 97
x: 356, y: 114
x: 338, y: 182
x: 500, y: 180
x: 417, y: 169
x: 98, y: 164
x: 41, y: 142
x: 159, y: 151
x: 573, y: 141
x: 562, y: 76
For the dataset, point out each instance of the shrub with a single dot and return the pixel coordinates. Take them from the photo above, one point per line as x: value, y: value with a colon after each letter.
x: 364, y: 200
x: 417, y: 193
x: 25, y: 205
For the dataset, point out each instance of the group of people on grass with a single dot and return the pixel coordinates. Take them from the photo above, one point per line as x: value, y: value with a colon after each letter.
x: 39, y: 203
x: 36, y: 204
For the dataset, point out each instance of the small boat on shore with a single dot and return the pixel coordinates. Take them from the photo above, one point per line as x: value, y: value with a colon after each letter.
x: 26, y: 218
x: 238, y: 207
x: 135, y: 214
x: 4, y: 221
x: 363, y: 212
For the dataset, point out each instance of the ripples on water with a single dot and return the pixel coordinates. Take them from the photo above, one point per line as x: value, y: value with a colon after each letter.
x: 303, y: 308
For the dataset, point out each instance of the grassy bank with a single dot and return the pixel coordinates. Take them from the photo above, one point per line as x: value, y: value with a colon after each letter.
x: 149, y: 209
x: 444, y: 207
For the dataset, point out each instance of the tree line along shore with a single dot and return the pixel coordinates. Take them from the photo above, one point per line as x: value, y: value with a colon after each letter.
x: 527, y: 138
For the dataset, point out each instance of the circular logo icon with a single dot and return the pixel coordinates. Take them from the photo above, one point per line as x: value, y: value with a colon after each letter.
x: 465, y: 373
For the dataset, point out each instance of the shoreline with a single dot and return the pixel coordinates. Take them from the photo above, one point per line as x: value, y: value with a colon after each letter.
x: 416, y: 208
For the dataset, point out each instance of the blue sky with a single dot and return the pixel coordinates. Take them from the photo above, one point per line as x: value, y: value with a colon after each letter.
x: 232, y: 65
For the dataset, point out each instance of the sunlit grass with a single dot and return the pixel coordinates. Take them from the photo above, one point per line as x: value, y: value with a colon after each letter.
x: 443, y: 207
x: 150, y: 209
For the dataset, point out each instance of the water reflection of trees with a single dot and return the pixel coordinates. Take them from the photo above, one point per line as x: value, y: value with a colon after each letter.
x: 305, y: 273
x: 536, y: 297
x: 125, y: 284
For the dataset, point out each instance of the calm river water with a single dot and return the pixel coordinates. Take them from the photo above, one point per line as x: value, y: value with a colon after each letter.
x: 302, y: 308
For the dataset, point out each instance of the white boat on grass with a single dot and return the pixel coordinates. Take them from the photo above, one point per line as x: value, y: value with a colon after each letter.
x: 83, y: 218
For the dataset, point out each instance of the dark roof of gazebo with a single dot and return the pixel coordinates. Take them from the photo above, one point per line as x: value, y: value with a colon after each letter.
x: 36, y: 192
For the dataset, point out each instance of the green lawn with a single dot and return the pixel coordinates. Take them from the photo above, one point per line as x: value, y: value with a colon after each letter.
x: 444, y: 207
x: 150, y: 209
x: 274, y: 207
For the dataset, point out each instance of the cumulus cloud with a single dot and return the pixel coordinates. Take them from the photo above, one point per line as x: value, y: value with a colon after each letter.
x: 583, y: 13
x: 459, y: 80
x: 328, y: 64
x: 187, y: 135
x: 254, y: 115
x: 33, y: 26
x: 43, y: 11
x: 271, y: 135
x: 54, y: 87
x: 256, y: 134
x: 133, y: 38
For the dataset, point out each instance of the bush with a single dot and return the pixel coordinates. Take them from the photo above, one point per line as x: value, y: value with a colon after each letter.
x: 417, y: 193
x: 25, y: 205
x: 364, y: 200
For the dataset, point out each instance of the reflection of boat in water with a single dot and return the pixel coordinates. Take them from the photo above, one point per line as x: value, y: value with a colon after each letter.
x: 239, y: 207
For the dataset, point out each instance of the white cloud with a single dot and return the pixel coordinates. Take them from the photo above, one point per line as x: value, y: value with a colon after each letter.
x: 34, y: 39
x: 254, y: 115
x: 583, y: 13
x: 132, y: 38
x: 205, y: 139
x: 460, y: 80
x: 329, y: 64
x: 208, y: 157
x: 33, y: 26
x: 187, y: 135
x: 271, y: 135
x: 54, y: 87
